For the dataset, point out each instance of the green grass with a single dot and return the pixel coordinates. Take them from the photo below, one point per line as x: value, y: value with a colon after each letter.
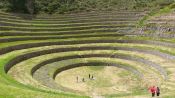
x: 61, y: 54
x: 16, y: 89
x: 158, y: 48
x: 154, y: 13
x: 97, y: 67
x: 4, y: 60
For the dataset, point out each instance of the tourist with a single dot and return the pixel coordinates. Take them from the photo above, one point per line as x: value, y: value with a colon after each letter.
x: 152, y: 90
x: 83, y: 80
x: 92, y: 77
x: 158, y: 91
x: 77, y: 79
x: 89, y: 76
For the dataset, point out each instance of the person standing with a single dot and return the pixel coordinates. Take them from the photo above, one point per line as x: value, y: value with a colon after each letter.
x: 77, y: 79
x: 153, y: 90
x: 83, y: 80
x: 158, y: 91
x: 92, y: 77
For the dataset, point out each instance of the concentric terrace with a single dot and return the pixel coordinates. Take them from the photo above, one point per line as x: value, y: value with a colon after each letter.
x: 94, y: 54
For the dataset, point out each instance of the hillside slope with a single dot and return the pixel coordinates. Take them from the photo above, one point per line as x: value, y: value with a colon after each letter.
x: 62, y: 6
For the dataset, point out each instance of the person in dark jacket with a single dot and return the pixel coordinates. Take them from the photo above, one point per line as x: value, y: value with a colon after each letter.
x: 89, y: 76
x: 158, y: 91
x: 77, y: 79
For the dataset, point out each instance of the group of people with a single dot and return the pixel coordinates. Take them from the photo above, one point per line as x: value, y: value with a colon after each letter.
x: 155, y: 91
x: 91, y: 77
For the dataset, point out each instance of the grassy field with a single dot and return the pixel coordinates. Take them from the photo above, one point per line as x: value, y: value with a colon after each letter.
x: 41, y: 57
x: 107, y: 80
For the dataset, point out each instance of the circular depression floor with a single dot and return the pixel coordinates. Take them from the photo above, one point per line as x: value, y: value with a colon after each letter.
x: 99, y: 80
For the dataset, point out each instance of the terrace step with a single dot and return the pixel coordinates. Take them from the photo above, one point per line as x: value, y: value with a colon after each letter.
x: 5, y: 23
x: 26, y: 41
x: 7, y: 28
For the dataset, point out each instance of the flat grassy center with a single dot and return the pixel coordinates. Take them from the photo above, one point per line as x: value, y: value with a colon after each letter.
x: 106, y: 80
